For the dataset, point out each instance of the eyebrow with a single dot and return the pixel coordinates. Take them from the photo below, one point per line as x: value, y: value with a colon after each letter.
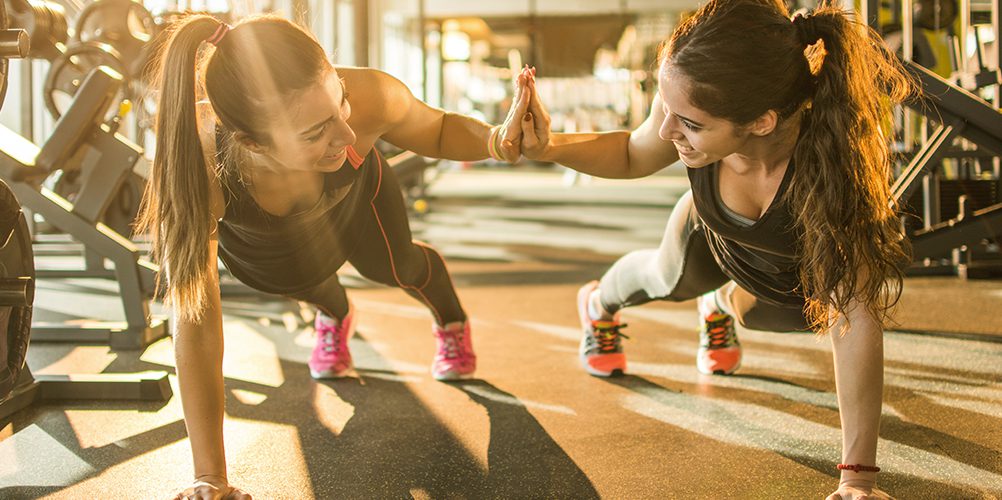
x: 680, y: 117
x: 344, y: 97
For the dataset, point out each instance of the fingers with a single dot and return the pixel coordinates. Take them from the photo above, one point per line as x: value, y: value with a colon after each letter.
x: 529, y: 139
x: 521, y: 105
x: 203, y: 490
x: 237, y: 494
x: 540, y: 117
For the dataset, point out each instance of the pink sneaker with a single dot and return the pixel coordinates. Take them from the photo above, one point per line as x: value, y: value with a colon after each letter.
x: 331, y: 357
x: 454, y: 357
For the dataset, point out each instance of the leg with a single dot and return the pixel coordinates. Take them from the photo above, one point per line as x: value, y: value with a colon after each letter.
x: 754, y: 314
x: 329, y: 297
x: 680, y: 269
x: 387, y: 254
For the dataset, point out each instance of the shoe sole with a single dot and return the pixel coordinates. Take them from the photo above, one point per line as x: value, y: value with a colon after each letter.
x: 328, y: 375
x: 598, y: 373
x: 718, y: 372
x: 452, y: 376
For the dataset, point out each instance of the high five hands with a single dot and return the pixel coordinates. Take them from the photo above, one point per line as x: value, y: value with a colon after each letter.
x: 535, y: 122
x: 526, y: 129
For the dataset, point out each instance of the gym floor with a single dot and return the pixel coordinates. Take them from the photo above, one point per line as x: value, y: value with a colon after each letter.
x: 534, y: 424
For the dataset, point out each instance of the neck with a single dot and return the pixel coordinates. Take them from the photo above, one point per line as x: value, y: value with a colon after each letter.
x: 767, y: 154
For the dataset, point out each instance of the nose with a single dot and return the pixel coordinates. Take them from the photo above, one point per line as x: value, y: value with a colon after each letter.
x: 670, y: 129
x: 343, y: 136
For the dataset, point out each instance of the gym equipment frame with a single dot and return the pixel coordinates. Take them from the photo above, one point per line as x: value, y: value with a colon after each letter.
x: 104, y: 159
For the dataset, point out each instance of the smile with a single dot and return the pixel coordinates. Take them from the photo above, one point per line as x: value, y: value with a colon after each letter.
x: 682, y: 149
x: 334, y: 156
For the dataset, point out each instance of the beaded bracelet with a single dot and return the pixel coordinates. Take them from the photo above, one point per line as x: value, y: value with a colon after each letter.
x: 858, y: 468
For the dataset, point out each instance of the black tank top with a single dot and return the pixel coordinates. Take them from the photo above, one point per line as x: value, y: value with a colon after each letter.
x: 286, y: 254
x: 762, y: 257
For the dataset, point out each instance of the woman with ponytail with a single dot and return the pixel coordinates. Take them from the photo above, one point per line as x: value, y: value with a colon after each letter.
x: 265, y: 158
x: 789, y: 224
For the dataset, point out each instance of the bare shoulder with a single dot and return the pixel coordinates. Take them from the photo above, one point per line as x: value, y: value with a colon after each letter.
x: 378, y: 99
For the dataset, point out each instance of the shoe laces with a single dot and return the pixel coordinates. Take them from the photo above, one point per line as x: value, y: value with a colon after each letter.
x: 331, y: 336
x: 452, y: 342
x: 719, y: 330
x: 607, y: 335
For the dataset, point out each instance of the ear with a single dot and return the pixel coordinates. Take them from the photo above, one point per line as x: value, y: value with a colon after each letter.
x: 764, y: 124
x: 248, y: 142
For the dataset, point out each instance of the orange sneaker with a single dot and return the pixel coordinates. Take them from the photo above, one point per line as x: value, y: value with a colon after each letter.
x: 601, y: 351
x: 719, y: 350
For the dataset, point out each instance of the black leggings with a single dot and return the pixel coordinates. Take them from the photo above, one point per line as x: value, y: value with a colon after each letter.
x: 385, y: 252
x: 683, y: 268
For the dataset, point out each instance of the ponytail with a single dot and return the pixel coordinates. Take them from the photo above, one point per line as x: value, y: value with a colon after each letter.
x: 851, y: 244
x: 175, y: 208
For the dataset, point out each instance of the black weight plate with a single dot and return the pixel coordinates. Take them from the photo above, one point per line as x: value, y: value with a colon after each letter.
x: 15, y: 321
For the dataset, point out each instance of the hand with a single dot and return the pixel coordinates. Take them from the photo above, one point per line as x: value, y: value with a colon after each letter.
x: 535, y: 125
x: 510, y: 134
x: 854, y: 491
x: 211, y: 488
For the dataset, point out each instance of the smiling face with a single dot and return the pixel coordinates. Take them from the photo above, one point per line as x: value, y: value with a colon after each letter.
x: 311, y: 132
x: 699, y: 137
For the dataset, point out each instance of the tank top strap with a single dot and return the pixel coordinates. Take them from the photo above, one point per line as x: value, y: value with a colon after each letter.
x: 354, y: 158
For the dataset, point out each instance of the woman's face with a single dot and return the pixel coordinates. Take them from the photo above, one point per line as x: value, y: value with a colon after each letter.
x: 700, y: 138
x: 312, y: 133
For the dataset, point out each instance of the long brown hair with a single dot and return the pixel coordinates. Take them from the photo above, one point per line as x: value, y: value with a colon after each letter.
x: 746, y: 57
x: 259, y: 59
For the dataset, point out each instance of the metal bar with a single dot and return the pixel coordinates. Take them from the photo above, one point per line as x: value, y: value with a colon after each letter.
x: 130, y: 273
x: 941, y: 239
x: 932, y: 152
x: 150, y: 386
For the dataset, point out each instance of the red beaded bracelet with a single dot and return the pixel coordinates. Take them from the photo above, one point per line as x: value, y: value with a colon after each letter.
x: 858, y: 468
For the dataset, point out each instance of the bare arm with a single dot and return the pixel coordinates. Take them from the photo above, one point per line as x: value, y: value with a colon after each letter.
x: 198, y: 352
x: 615, y: 155
x: 411, y: 124
x: 859, y: 382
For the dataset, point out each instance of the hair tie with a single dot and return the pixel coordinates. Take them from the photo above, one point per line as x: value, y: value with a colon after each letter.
x: 217, y: 36
x: 807, y: 29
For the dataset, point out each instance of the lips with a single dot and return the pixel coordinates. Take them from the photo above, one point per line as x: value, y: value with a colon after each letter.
x: 682, y: 149
x: 335, y: 156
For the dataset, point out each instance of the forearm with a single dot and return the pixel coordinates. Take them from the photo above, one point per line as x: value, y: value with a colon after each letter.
x: 859, y: 380
x: 199, y: 356
x: 605, y: 154
x: 463, y: 138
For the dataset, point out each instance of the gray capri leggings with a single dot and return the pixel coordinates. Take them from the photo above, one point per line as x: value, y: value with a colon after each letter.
x: 683, y: 268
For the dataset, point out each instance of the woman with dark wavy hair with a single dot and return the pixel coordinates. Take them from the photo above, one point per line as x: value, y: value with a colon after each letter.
x: 264, y: 159
x: 789, y: 224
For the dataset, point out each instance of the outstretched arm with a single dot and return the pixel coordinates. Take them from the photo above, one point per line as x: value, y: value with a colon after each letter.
x: 428, y: 131
x: 617, y: 155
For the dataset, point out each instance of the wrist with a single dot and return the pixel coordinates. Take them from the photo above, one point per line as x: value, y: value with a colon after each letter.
x: 860, y: 479
x: 494, y: 144
x: 209, y: 478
